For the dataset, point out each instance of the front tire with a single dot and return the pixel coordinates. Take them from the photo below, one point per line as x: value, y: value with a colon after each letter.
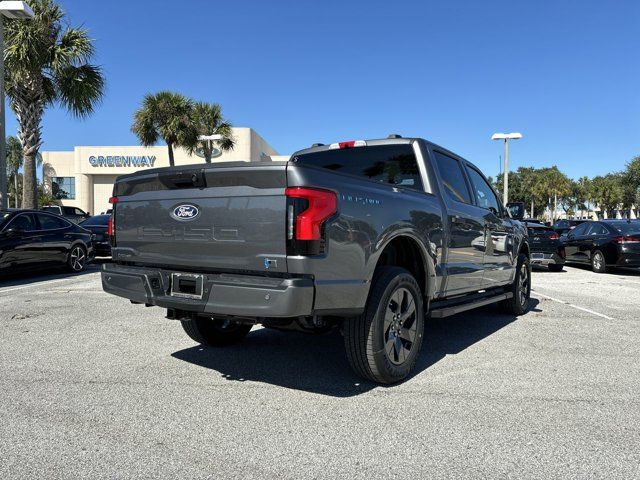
x: 518, y: 304
x: 384, y: 342
x: 215, y: 332
x: 598, y: 262
x: 554, y: 267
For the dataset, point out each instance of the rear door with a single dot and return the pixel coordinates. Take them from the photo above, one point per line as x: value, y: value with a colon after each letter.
x: 230, y: 217
x: 466, y: 239
x: 55, y: 238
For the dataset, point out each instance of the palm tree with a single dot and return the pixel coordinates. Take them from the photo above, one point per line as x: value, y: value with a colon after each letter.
x: 207, y: 120
x: 47, y: 63
x: 166, y: 115
x: 14, y: 163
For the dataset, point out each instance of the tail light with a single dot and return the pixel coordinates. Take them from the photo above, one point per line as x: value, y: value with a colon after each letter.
x: 307, y: 211
x: 554, y: 236
x: 111, y: 225
x: 629, y: 239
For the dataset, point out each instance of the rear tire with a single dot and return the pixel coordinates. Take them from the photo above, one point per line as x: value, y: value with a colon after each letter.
x: 77, y: 259
x: 384, y: 342
x: 554, y: 267
x: 518, y: 304
x: 215, y: 332
x: 598, y: 262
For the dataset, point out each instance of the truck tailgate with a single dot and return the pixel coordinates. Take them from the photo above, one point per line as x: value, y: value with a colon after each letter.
x: 218, y: 217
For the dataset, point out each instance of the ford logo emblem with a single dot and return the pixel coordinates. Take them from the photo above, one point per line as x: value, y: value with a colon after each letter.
x: 185, y: 212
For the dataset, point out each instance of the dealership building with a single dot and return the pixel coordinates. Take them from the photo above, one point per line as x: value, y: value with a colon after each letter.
x: 84, y: 177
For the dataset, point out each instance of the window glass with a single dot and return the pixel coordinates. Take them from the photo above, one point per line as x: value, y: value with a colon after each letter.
x: 632, y: 227
x: 485, y: 197
x: 97, y: 220
x: 580, y: 229
x: 63, y: 188
x: 393, y: 164
x: 69, y: 210
x: 51, y: 209
x: 49, y: 222
x: 452, y: 178
x: 597, y: 229
x: 23, y: 223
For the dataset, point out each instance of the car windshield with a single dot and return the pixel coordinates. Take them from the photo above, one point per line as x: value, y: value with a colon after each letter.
x: 97, y: 220
x: 626, y: 228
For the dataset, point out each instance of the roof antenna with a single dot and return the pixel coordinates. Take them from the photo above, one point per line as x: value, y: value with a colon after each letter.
x: 394, y: 135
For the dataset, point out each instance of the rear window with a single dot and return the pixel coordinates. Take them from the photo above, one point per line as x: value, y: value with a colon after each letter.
x: 626, y: 227
x: 392, y: 164
x: 97, y: 220
x: 51, y: 209
x: 540, y: 230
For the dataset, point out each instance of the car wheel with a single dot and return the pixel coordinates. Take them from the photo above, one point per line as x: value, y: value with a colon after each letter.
x: 384, y: 342
x: 554, y: 267
x: 518, y: 304
x: 77, y: 258
x: 598, y: 263
x: 215, y: 332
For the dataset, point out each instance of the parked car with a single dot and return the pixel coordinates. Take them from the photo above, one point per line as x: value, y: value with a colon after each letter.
x: 366, y: 236
x: 74, y: 214
x: 99, y: 226
x: 31, y: 239
x: 604, y: 244
x: 563, y: 226
x: 546, y: 248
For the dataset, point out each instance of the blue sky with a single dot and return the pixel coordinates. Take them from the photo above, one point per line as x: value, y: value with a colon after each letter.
x: 564, y: 73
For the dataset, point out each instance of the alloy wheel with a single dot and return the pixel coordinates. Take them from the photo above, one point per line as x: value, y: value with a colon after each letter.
x: 598, y: 261
x: 523, y: 285
x: 400, y: 326
x: 77, y: 259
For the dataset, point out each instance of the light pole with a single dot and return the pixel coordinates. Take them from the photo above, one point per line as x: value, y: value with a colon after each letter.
x: 19, y: 11
x: 505, y: 176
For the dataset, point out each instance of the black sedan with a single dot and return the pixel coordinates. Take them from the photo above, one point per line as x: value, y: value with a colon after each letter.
x: 31, y: 239
x: 546, y: 248
x: 99, y: 226
x: 603, y: 244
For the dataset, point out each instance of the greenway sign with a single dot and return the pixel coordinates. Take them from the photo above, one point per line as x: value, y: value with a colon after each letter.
x: 122, y: 161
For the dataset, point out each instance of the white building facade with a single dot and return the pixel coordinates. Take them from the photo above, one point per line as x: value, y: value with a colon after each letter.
x: 84, y: 177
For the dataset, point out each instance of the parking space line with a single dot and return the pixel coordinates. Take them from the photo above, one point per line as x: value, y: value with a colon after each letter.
x: 47, y: 282
x: 572, y: 305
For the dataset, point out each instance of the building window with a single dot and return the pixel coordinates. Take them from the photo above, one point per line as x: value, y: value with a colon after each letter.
x: 63, y: 188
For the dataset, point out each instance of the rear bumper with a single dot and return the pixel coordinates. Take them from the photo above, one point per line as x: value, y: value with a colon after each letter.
x: 628, y: 259
x: 223, y: 294
x: 546, y: 259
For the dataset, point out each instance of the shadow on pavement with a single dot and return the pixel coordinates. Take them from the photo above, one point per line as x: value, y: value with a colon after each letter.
x: 317, y: 363
x: 16, y: 279
x: 628, y: 271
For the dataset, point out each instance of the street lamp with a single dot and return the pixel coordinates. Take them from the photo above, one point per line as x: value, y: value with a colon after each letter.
x: 505, y: 177
x: 16, y: 11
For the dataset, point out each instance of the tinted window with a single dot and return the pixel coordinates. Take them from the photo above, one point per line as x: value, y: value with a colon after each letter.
x: 49, y: 222
x: 452, y: 178
x: 485, y: 197
x: 97, y: 220
x: 77, y: 211
x: 393, y: 164
x: 23, y: 223
x: 626, y: 227
x: 4, y: 216
x: 580, y: 229
x: 51, y: 209
x: 597, y: 229
x: 69, y: 210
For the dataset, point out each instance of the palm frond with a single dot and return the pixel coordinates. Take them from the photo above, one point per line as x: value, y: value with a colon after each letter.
x: 80, y: 88
x: 74, y: 48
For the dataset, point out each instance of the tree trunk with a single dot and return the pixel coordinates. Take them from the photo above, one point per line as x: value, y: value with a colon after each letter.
x: 15, y: 184
x: 171, y: 160
x: 555, y: 206
x: 533, y: 215
x: 29, y: 183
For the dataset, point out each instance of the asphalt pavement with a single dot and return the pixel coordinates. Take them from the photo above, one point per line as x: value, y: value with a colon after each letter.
x: 92, y: 386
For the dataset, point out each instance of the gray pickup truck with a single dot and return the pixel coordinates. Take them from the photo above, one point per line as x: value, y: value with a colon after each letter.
x: 371, y: 237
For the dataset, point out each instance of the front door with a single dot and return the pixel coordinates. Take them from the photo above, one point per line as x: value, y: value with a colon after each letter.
x: 574, y: 245
x: 20, y: 242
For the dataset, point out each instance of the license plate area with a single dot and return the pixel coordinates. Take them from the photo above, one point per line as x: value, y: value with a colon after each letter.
x: 187, y: 285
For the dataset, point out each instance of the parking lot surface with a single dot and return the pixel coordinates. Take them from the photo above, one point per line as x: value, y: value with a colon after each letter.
x: 95, y: 387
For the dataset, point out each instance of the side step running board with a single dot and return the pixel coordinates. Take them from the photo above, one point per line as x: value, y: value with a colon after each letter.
x: 463, y: 307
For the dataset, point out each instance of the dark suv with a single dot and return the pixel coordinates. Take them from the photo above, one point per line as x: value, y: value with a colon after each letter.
x: 73, y: 214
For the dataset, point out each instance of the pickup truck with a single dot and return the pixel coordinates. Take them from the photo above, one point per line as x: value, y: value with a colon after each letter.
x: 371, y: 237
